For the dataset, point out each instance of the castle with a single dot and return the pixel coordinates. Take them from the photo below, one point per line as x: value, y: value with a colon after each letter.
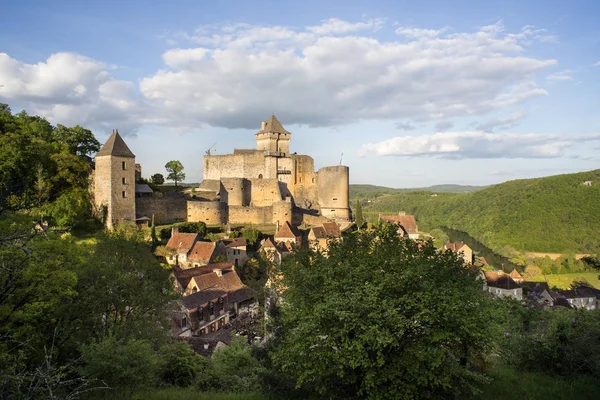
x: 266, y: 185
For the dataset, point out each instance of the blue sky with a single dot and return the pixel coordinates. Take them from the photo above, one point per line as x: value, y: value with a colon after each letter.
x: 412, y: 93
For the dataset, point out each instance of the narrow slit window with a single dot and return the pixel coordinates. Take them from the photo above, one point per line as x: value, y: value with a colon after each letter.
x: 123, y: 194
x: 124, y: 165
x: 124, y: 181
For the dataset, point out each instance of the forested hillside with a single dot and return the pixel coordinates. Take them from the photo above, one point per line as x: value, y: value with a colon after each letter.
x: 553, y: 214
x: 372, y: 191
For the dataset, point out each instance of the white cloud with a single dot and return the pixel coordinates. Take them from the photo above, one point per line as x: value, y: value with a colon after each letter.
x: 458, y: 145
x: 597, y: 64
x: 405, y: 126
x: 71, y: 89
x: 566, y: 75
x: 502, y: 123
x: 326, y: 75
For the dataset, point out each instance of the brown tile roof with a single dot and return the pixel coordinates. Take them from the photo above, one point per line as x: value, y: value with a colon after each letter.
x: 115, y: 146
x: 184, y: 276
x: 202, y: 251
x: 319, y: 232
x: 332, y: 229
x: 515, y: 274
x: 197, y: 343
x: 287, y: 231
x: 455, y: 247
x: 500, y: 280
x: 242, y: 294
x: 235, y: 242
x: 182, y: 242
x: 537, y: 287
x: 408, y: 222
x: 273, y: 126
x: 202, y: 297
x: 231, y: 281
x: 267, y: 243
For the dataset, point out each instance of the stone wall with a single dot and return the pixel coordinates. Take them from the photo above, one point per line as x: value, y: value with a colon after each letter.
x: 209, y: 212
x: 250, y: 215
x: 245, y: 164
x: 282, y: 212
x: 264, y: 192
x: 166, y: 210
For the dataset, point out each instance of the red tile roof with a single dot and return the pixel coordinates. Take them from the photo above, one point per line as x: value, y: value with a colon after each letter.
x: 202, y: 251
x: 408, y: 222
x: 287, y: 231
x: 455, y: 247
x: 332, y: 229
x: 235, y: 242
x: 182, y: 242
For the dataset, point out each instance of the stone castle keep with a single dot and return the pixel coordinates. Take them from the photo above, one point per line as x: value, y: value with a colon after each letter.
x: 266, y: 185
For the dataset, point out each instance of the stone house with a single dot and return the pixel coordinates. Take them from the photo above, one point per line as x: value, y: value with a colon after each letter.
x: 236, y: 250
x: 407, y: 224
x: 516, y: 276
x: 204, y: 253
x: 272, y: 251
x: 539, y: 292
x: 289, y: 235
x: 207, y: 344
x: 191, y: 252
x: 187, y: 281
x: 502, y: 285
x: 461, y: 249
x: 319, y: 236
x: 207, y: 310
x: 582, y: 297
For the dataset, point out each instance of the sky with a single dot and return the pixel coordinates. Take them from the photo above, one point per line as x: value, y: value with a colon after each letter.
x: 406, y: 93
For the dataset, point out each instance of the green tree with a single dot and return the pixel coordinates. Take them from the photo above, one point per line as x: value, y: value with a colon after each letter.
x: 251, y: 235
x: 175, y: 170
x: 532, y: 271
x: 80, y: 141
x: 70, y: 208
x: 360, y: 221
x: 180, y: 364
x: 384, y: 318
x: 238, y: 370
x: 157, y: 179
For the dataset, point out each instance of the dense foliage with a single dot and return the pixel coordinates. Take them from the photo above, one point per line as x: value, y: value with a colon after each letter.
x: 382, y: 318
x: 556, y: 214
x: 41, y: 164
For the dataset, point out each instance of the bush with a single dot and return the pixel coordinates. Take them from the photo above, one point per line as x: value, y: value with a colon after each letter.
x: 193, y: 227
x: 181, y: 365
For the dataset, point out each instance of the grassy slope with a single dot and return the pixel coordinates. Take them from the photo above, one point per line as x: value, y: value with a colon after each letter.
x: 371, y: 191
x: 553, y: 214
x: 563, y: 281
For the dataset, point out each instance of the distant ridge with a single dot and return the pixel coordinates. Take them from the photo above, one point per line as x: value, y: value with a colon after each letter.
x: 369, y: 191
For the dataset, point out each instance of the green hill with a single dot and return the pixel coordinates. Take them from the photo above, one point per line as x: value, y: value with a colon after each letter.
x: 372, y: 191
x: 554, y: 214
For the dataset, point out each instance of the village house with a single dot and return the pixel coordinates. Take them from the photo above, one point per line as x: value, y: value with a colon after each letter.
x: 539, y: 292
x: 516, y: 276
x: 206, y: 310
x: 206, y: 345
x: 461, y: 249
x: 236, y: 250
x: 272, y: 251
x: 407, y: 224
x: 191, y: 252
x: 501, y: 284
x: 319, y: 236
x: 288, y: 235
x: 581, y: 297
x: 241, y: 298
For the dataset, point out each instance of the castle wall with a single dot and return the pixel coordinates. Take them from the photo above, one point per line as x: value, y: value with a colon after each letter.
x: 264, y: 192
x: 333, y: 187
x: 242, y: 164
x: 235, y: 191
x: 282, y: 212
x: 209, y: 212
x: 166, y: 210
x: 250, y: 215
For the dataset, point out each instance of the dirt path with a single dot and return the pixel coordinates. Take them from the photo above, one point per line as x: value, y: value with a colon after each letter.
x: 553, y: 256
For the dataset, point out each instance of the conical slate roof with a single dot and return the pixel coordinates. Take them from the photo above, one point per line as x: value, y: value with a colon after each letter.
x: 115, y: 146
x: 273, y: 126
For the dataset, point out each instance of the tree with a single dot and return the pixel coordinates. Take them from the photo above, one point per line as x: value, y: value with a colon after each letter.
x: 385, y: 318
x: 175, y: 170
x: 157, y: 179
x: 359, y: 215
x: 251, y: 235
x: 532, y: 271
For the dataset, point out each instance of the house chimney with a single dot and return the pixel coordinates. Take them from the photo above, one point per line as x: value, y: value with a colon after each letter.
x: 174, y: 230
x: 263, y: 125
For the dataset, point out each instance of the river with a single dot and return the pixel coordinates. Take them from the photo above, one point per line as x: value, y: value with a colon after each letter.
x: 494, y: 259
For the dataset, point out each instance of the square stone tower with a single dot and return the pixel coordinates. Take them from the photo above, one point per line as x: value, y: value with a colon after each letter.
x: 114, y: 181
x: 272, y: 137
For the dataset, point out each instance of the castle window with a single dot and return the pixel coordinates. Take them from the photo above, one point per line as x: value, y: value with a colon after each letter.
x: 124, y: 165
x: 124, y: 181
x: 335, y: 198
x: 259, y: 176
x: 123, y: 194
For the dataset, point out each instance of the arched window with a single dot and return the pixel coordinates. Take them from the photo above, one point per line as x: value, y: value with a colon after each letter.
x: 259, y: 176
x: 195, y: 289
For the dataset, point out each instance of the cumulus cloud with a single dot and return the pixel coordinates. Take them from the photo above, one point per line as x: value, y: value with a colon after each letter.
x: 502, y: 123
x: 458, y: 145
x: 71, y: 89
x: 329, y: 74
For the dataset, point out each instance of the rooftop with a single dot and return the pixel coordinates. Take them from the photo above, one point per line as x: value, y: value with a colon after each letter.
x: 115, y: 146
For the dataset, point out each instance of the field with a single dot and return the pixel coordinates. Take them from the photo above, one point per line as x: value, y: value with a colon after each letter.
x: 563, y: 281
